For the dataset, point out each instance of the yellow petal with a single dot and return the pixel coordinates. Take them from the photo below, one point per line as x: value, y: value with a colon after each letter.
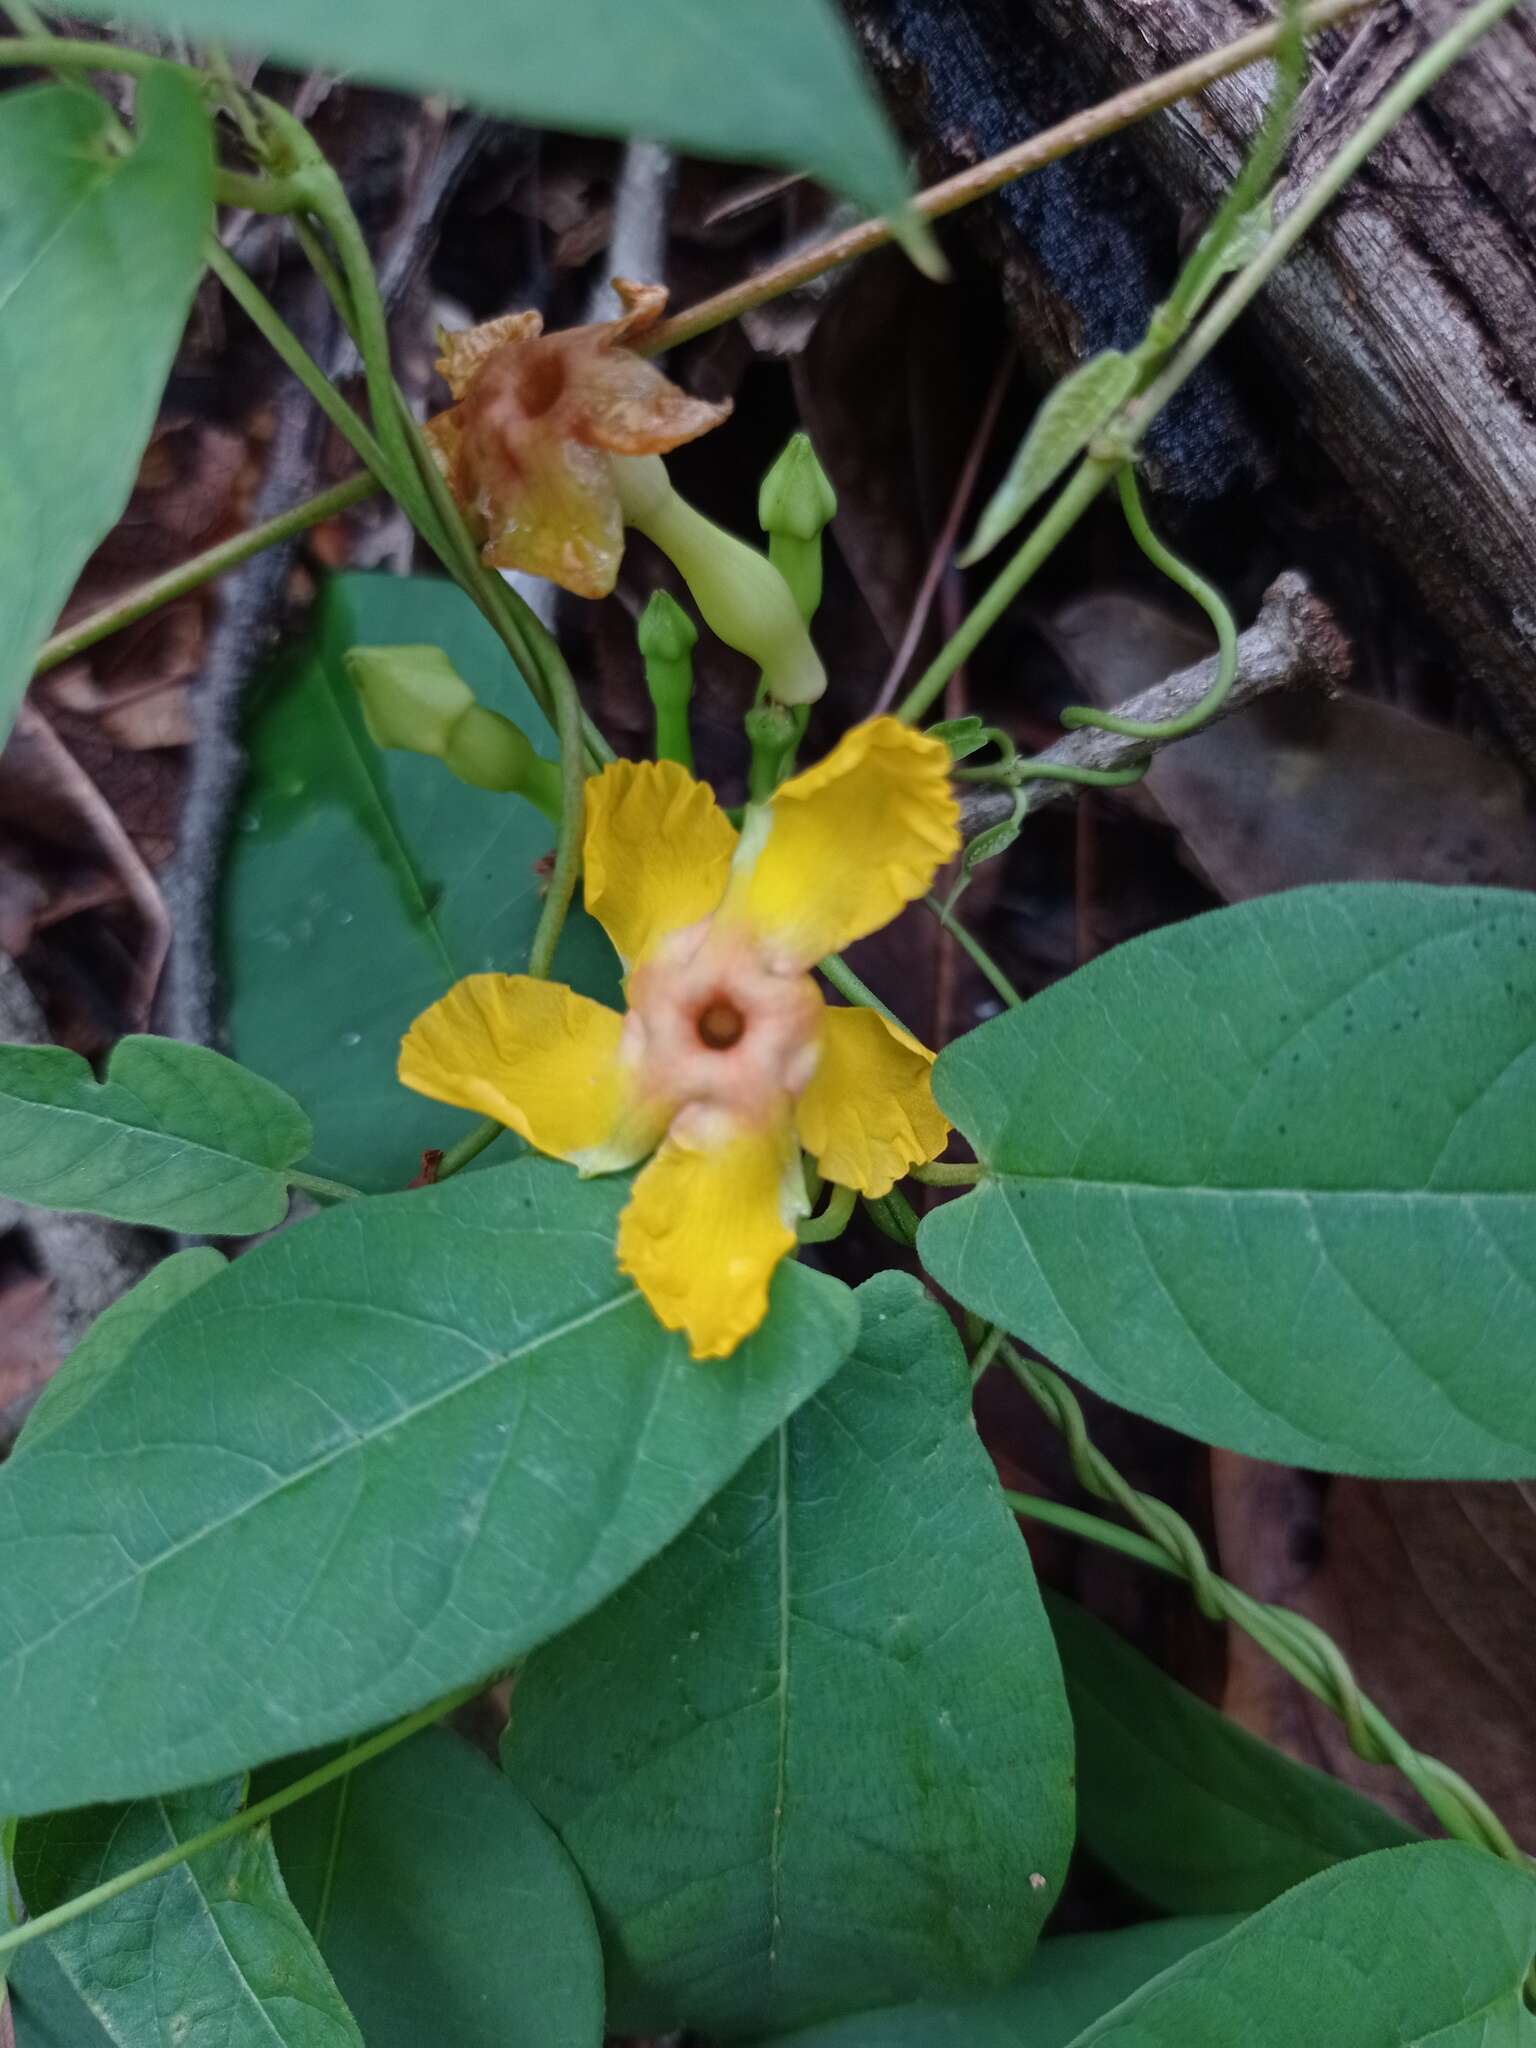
x: 540, y: 1059
x: 869, y: 1113
x: 709, y: 1219
x: 657, y: 855
x: 850, y: 841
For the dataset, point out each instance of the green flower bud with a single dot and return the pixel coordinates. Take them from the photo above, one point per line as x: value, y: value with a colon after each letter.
x: 772, y: 730
x: 742, y: 596
x: 414, y: 700
x: 666, y: 637
x: 796, y: 498
x: 796, y: 501
x: 666, y: 634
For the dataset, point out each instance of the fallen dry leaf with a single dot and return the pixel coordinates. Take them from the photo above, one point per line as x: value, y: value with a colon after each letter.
x: 1430, y: 1591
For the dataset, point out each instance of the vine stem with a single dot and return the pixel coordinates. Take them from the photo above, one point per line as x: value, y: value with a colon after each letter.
x: 1063, y: 513
x: 321, y: 1189
x: 1108, y: 117
x: 970, y: 945
x: 832, y: 1221
x: 238, y: 1823
x: 189, y: 575
x: 1296, y: 1644
x: 1425, y: 71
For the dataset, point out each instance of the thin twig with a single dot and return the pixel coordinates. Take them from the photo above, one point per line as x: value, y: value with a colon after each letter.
x: 1294, y: 639
x: 944, y: 547
x: 1123, y: 110
x: 127, y: 862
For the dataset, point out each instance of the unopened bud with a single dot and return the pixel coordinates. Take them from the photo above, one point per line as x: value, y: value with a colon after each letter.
x: 666, y: 637
x: 741, y: 595
x: 414, y: 700
x: 796, y: 501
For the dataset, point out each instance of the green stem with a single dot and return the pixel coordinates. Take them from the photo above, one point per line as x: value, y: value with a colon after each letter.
x: 832, y: 1221
x: 847, y: 983
x: 1409, y: 88
x: 61, y: 53
x: 469, y: 1147
x: 1203, y: 270
x: 894, y: 1216
x: 238, y: 1823
x: 1298, y: 1645
x: 1092, y: 1529
x: 261, y: 195
x: 271, y: 325
x: 568, y: 838
x: 201, y: 569
x: 973, y: 948
x: 985, y: 1352
x: 1069, y: 505
x: 962, y: 1174
x: 322, y: 1190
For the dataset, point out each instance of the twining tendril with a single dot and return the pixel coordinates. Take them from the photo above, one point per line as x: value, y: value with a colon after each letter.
x: 1295, y: 1643
x: 1210, y: 601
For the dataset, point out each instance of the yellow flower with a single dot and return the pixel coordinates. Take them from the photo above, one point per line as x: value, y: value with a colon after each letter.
x: 527, y: 450
x: 728, y: 1060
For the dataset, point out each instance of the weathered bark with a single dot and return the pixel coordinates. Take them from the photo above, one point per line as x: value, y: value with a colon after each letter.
x: 1406, y: 327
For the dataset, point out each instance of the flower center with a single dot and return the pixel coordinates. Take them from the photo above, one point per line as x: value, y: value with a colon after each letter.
x: 540, y: 380
x: 720, y: 1024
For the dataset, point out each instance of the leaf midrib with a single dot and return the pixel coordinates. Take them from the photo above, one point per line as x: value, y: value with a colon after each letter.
x: 353, y: 1445
x: 115, y: 1127
x: 1088, y: 1183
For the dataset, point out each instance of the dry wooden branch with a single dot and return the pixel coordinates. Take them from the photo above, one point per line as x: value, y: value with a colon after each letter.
x: 1294, y: 640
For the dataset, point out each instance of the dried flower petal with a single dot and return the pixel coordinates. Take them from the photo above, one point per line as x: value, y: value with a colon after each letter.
x: 526, y: 450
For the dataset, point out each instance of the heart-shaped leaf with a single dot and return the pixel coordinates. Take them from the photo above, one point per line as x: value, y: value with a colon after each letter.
x: 817, y: 1754
x: 768, y: 81
x: 100, y: 254
x: 1267, y: 1176
x: 384, y: 1453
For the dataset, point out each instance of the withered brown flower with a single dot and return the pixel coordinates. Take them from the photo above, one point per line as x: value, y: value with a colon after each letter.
x: 527, y: 450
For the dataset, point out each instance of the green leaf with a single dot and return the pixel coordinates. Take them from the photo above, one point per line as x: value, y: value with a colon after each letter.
x: 46, y: 2009
x: 1071, y: 1980
x: 380, y: 1455
x: 442, y: 1903
x: 1267, y: 1177
x: 326, y: 893
x: 1399, y: 1949
x: 1180, y: 1803
x: 99, y: 257
x: 175, y: 1136
x: 113, y: 1335
x: 765, y: 81
x: 817, y: 1754
x: 211, y: 1950
x: 1071, y: 413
